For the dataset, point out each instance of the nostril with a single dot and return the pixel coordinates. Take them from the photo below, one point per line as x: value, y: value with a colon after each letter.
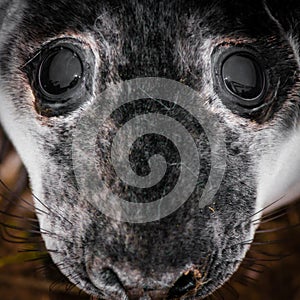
x: 110, y: 277
x: 188, y: 283
x: 108, y: 282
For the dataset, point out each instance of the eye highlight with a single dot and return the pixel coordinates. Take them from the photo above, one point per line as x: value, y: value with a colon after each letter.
x: 240, y: 78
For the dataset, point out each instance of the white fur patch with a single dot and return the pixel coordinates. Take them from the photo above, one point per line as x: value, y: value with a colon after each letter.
x: 279, y: 174
x: 17, y: 128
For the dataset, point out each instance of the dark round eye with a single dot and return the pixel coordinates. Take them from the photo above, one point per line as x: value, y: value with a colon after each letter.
x: 60, y: 71
x: 243, y: 76
x: 61, y: 76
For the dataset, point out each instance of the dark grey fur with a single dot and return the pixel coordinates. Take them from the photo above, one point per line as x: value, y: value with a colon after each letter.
x: 136, y: 38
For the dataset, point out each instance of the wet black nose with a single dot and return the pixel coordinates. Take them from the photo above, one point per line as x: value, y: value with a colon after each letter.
x: 115, y: 286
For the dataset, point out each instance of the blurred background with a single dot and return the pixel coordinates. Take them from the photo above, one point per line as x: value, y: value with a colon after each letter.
x: 271, y: 269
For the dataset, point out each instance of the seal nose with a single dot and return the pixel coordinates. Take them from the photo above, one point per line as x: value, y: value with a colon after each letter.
x: 129, y: 285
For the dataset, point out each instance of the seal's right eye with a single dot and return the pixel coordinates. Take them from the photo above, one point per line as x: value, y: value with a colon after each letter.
x: 241, y: 79
x: 243, y: 76
x: 61, y: 76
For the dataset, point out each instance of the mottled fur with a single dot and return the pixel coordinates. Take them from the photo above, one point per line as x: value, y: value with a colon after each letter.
x: 136, y: 38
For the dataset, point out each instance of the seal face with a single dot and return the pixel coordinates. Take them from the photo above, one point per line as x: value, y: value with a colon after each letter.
x: 144, y: 126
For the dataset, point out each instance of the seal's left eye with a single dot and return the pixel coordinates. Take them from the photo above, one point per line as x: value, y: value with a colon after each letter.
x: 61, y: 76
x: 60, y: 71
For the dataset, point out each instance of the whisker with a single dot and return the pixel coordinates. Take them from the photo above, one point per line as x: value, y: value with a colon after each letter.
x: 261, y: 252
x: 272, y: 230
x: 5, y: 146
x: 20, y: 184
x: 14, y: 227
x: 267, y: 206
x: 245, y: 281
x: 269, y: 242
x: 10, y: 235
x: 268, y: 218
x: 255, y: 264
x: 63, y: 284
x: 232, y: 291
x: 21, y: 199
x: 41, y: 258
x: 33, y: 220
x: 218, y: 292
x: 17, y: 240
x: 262, y: 259
x: 51, y: 211
x: 252, y: 269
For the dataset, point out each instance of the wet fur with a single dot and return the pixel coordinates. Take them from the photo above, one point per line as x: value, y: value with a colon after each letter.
x: 130, y: 39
